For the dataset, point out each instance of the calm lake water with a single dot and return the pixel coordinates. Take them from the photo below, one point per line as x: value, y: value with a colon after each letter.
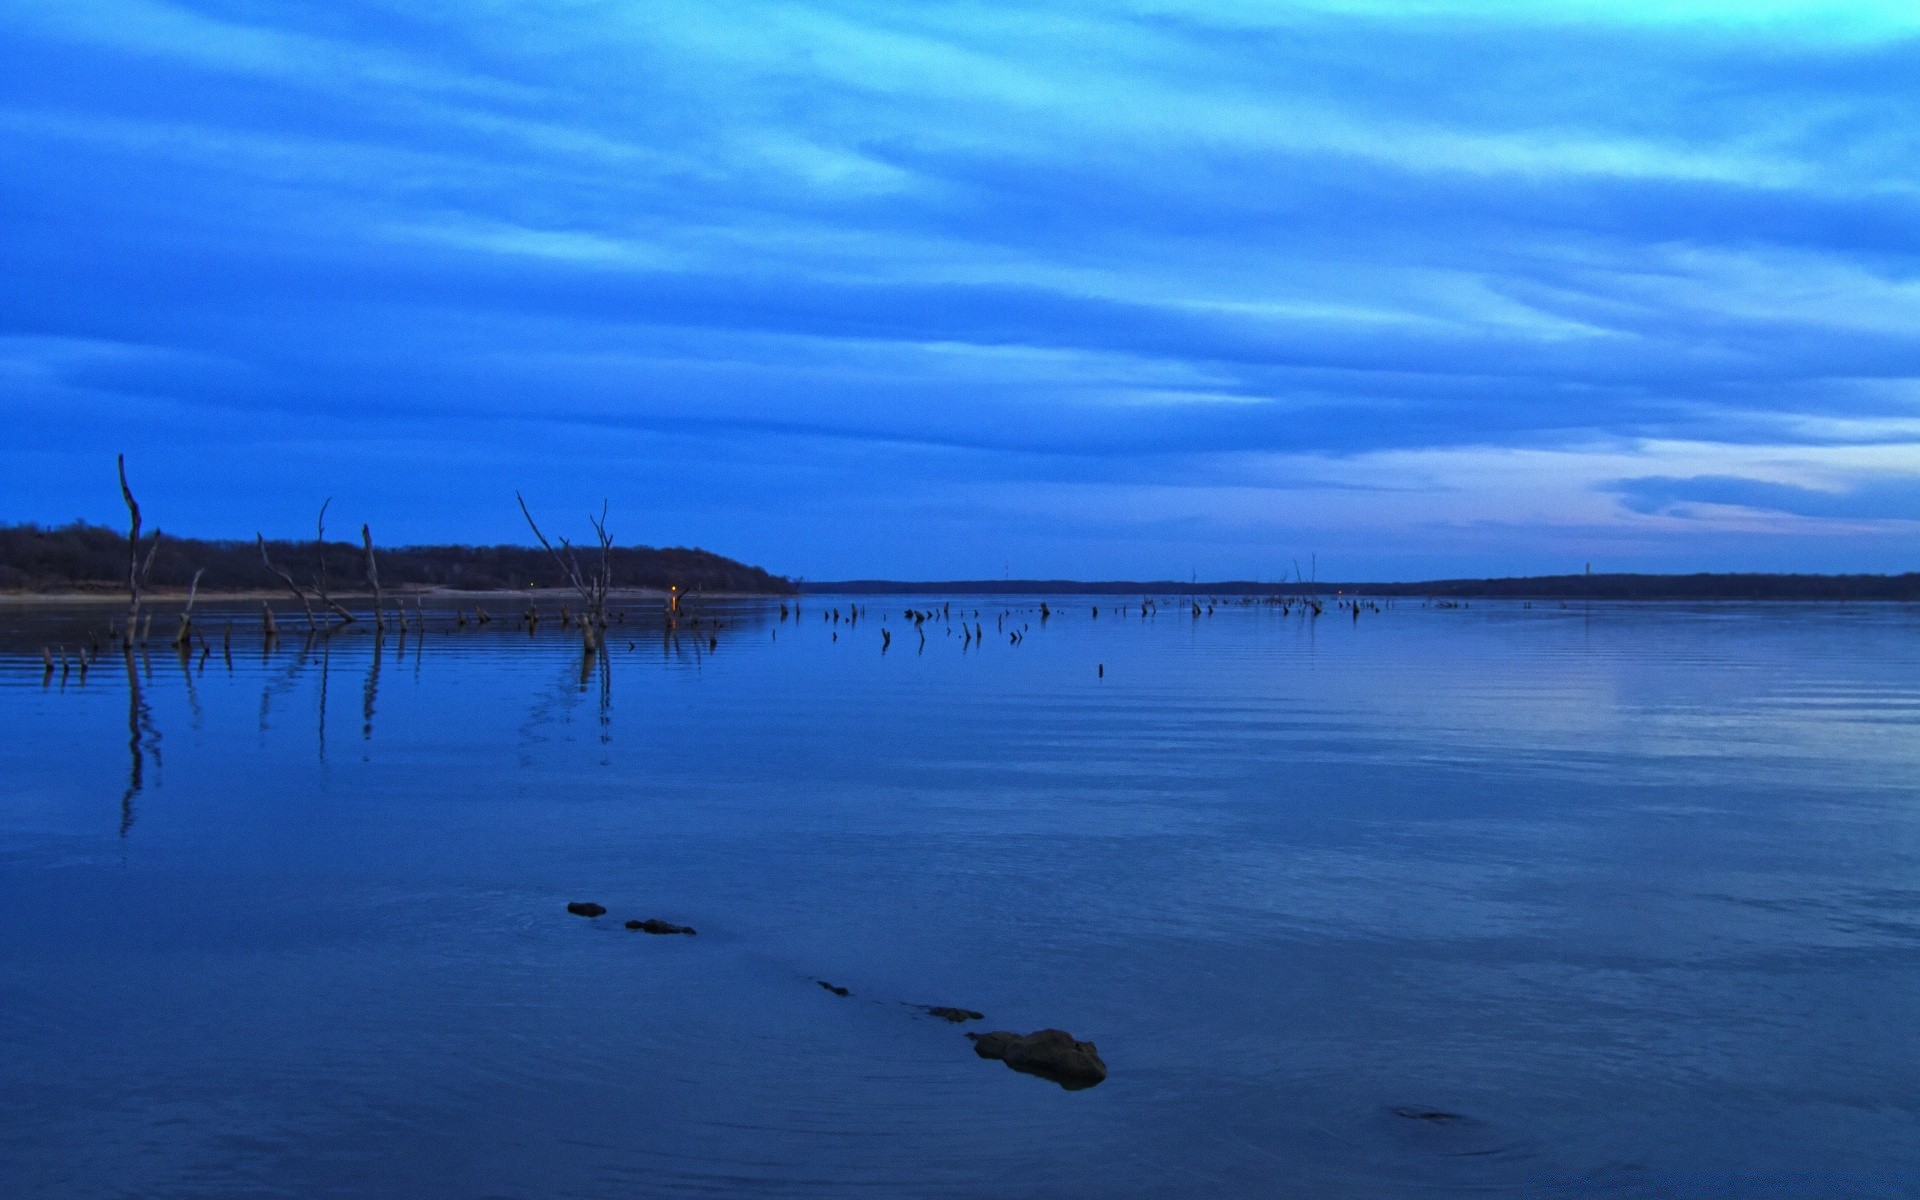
x: 1633, y: 892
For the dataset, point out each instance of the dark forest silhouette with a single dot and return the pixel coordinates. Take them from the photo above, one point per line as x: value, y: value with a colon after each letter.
x: 87, y: 557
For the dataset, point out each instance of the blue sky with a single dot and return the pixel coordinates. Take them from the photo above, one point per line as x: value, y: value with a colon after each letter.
x: 1136, y: 288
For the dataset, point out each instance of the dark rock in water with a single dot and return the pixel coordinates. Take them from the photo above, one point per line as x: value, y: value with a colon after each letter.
x: 838, y: 991
x: 956, y: 1015
x: 651, y: 925
x: 1052, y: 1054
x: 1426, y: 1114
x: 586, y: 908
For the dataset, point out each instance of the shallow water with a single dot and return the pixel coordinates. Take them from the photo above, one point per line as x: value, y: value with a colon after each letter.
x: 1631, y: 892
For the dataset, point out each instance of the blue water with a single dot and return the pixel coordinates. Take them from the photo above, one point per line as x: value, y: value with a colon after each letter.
x: 1633, y: 892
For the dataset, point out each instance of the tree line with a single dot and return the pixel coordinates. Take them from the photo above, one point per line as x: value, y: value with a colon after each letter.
x: 84, y: 557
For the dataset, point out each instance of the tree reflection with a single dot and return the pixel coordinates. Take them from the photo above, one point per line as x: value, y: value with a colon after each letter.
x: 372, y: 690
x: 142, y: 738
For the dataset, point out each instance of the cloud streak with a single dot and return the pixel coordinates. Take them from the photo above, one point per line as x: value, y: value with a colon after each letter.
x: 1043, y: 246
x: 1871, y: 500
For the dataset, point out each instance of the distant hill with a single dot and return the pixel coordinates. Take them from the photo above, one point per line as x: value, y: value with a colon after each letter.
x: 85, y: 557
x: 1535, y: 587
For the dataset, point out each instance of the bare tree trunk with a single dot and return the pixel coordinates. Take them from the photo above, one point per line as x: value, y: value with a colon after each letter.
x: 133, y: 556
x: 373, y: 577
x: 137, y: 570
x: 186, y: 615
x: 603, y: 580
x: 320, y: 548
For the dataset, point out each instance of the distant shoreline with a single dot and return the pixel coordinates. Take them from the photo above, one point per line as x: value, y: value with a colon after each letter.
x: 393, y: 598
x: 81, y: 560
x: 1699, y: 586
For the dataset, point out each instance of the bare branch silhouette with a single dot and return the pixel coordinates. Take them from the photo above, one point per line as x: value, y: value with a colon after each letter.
x: 305, y: 604
x: 320, y: 575
x: 592, y: 588
x: 182, y: 638
x: 373, y: 577
x: 137, y: 570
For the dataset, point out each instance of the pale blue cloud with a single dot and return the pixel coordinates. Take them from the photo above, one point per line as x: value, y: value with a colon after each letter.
x: 1869, y: 500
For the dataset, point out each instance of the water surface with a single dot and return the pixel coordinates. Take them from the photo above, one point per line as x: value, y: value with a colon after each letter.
x: 1632, y: 893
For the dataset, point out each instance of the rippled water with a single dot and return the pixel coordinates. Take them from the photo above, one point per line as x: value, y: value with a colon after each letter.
x: 1630, y: 893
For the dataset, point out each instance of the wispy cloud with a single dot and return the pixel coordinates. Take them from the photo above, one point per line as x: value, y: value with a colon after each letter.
x: 1896, y: 499
x: 1046, y: 250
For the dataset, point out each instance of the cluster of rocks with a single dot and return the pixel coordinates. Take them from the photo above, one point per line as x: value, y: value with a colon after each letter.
x: 587, y: 908
x: 956, y: 1015
x: 1052, y: 1054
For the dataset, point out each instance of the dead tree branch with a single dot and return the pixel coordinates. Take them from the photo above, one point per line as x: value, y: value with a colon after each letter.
x: 603, y: 582
x: 306, y: 604
x: 185, y: 635
x: 592, y: 588
x: 320, y: 575
x: 137, y: 570
x: 373, y: 577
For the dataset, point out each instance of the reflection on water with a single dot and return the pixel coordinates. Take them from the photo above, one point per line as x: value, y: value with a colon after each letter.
x: 371, y: 692
x: 1396, y: 901
x: 141, y: 737
x: 326, y: 661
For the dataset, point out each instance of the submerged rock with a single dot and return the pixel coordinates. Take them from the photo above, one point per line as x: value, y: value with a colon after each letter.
x: 956, y: 1015
x: 651, y: 925
x: 838, y: 991
x: 1052, y: 1054
x: 586, y: 908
